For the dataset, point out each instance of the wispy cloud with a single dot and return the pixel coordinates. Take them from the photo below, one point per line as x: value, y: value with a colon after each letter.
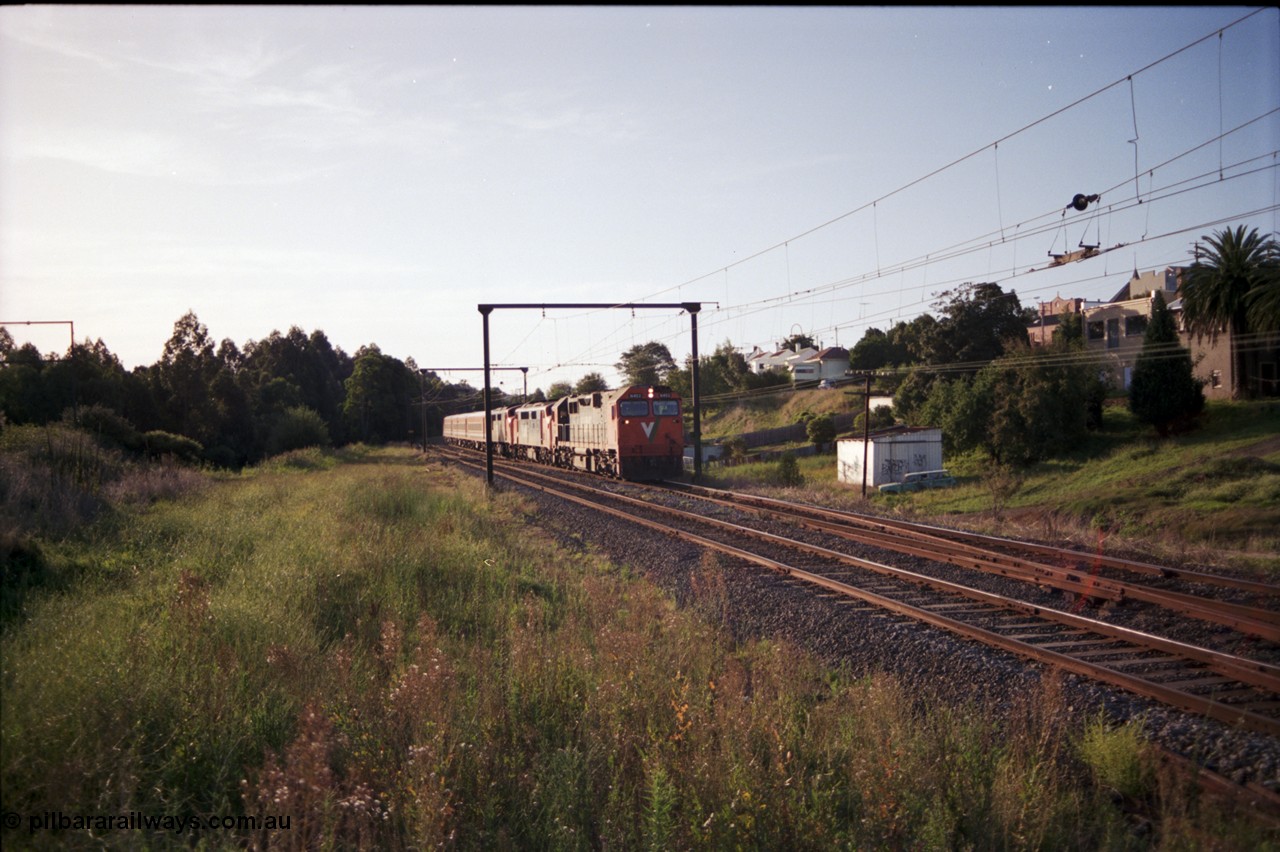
x: 216, y: 110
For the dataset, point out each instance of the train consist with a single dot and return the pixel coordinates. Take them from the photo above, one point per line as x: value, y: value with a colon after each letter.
x: 633, y: 433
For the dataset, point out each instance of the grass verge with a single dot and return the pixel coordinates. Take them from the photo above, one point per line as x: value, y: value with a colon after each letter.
x: 378, y: 655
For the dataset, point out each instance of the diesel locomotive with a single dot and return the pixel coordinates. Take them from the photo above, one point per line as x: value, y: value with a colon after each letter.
x: 634, y: 433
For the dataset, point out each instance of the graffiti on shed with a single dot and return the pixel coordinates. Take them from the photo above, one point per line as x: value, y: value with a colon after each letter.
x: 890, y: 455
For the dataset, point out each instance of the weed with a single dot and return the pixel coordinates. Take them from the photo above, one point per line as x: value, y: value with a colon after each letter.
x: 659, y: 808
x: 1118, y: 757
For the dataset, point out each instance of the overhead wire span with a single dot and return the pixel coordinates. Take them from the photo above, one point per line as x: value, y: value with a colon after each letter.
x: 977, y: 244
x: 1024, y: 230
x: 1054, y: 114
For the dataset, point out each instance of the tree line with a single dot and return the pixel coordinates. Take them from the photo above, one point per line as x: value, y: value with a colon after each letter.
x: 225, y: 404
x: 967, y: 368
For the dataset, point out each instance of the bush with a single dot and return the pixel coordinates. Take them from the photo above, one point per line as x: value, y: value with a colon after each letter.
x: 821, y: 430
x: 105, y: 423
x: 1118, y: 758
x: 308, y: 458
x: 1164, y: 391
x: 51, y: 478
x: 297, y: 429
x: 881, y: 418
x: 735, y: 450
x: 789, y: 471
x: 222, y: 456
x: 159, y: 443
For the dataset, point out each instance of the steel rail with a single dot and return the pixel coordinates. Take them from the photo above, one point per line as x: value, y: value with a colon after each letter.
x: 1249, y: 620
x: 1261, y: 675
x: 1265, y: 803
x: 984, y: 540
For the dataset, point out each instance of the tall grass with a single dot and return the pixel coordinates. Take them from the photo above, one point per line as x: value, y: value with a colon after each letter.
x: 58, y: 483
x: 383, y: 654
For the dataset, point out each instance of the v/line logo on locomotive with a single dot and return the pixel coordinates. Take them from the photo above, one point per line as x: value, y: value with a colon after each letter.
x: 634, y: 432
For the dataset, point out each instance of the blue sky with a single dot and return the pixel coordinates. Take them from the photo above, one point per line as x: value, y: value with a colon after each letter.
x: 377, y: 172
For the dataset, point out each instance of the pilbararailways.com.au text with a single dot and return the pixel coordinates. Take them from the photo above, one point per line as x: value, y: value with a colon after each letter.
x: 138, y: 821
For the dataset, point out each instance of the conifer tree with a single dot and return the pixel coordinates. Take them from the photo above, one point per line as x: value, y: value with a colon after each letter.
x: 1164, y: 392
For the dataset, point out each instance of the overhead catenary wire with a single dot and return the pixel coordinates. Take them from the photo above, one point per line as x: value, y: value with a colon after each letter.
x: 1005, y: 234
x: 711, y: 320
x: 1028, y: 228
x: 1076, y: 103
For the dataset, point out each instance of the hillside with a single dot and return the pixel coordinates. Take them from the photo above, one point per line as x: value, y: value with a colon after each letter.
x: 782, y: 407
x: 1210, y: 496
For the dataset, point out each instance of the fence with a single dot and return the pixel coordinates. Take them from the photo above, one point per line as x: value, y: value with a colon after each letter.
x: 788, y: 434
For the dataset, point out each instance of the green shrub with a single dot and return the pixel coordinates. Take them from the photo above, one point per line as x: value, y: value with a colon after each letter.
x: 159, y: 443
x: 821, y: 430
x: 881, y: 418
x: 297, y: 429
x: 735, y: 450
x: 789, y: 471
x: 307, y: 458
x: 105, y: 423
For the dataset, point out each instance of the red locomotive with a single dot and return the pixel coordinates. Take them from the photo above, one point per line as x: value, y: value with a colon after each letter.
x: 633, y: 433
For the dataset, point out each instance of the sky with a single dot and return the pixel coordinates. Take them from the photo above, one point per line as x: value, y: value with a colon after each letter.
x: 376, y: 173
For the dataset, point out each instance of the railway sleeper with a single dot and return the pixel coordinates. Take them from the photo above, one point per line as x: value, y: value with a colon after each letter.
x: 1077, y: 643
x: 1193, y: 683
x: 1096, y: 651
x: 1152, y: 662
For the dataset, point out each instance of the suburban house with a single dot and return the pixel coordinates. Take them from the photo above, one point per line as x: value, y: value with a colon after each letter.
x: 831, y: 363
x: 1117, y: 327
x: 760, y: 361
x: 804, y: 364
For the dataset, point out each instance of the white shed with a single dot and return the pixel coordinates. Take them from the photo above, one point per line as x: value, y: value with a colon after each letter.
x: 892, y: 455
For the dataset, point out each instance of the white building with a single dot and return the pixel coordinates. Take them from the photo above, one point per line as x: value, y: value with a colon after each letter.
x: 760, y: 361
x: 892, y: 454
x: 804, y: 365
x: 831, y: 363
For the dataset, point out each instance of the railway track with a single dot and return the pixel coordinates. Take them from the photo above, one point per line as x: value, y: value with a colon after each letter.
x: 1093, y: 562
x: 1239, y: 691
x: 1096, y: 577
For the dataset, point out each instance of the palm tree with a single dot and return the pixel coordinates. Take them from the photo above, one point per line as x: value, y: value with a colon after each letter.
x: 1216, y: 288
x: 1264, y: 303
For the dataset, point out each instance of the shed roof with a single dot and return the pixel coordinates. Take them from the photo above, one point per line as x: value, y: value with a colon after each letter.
x: 893, y: 432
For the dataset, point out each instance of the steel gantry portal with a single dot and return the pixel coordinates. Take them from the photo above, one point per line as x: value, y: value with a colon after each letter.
x: 691, y: 307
